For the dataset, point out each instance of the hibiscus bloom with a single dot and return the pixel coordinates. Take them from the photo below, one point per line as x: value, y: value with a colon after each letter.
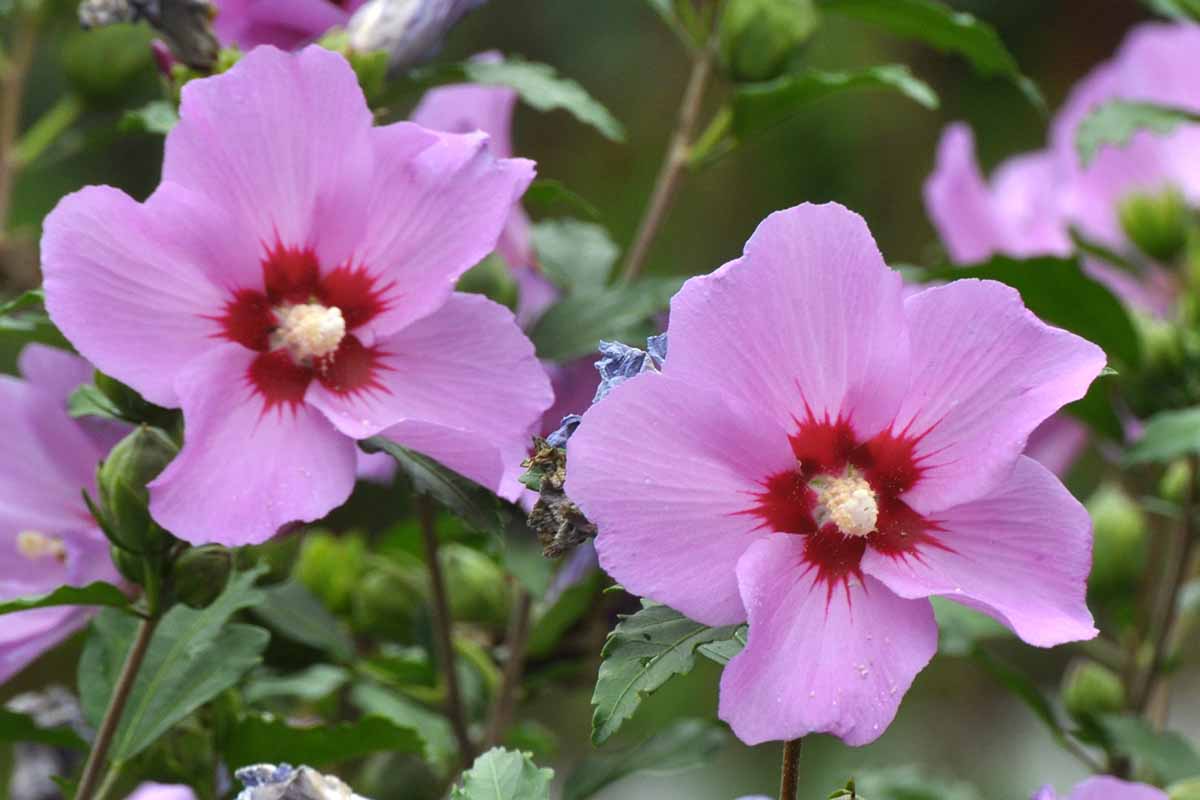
x: 290, y: 286
x: 1035, y: 199
x: 819, y: 456
x: 162, y: 791
x: 1102, y: 787
x: 48, y: 537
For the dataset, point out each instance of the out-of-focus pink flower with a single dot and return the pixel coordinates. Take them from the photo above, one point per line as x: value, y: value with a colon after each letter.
x: 1102, y: 787
x: 1035, y: 199
x: 48, y: 537
x: 1057, y: 443
x: 290, y: 286
x: 819, y: 456
x: 162, y: 791
x: 283, y: 23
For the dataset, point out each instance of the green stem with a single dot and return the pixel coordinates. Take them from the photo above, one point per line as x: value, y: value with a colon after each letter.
x: 518, y: 641
x: 441, y: 624
x: 46, y: 131
x: 12, y: 95
x: 112, y: 716
x: 789, y: 770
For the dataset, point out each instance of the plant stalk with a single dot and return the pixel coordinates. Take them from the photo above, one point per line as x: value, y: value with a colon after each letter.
x: 12, y: 95
x: 442, y: 622
x: 116, y: 708
x: 789, y: 770
x: 514, y: 667
x: 673, y: 165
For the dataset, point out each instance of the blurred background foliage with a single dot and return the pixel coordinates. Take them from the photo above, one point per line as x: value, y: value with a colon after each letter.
x: 868, y: 150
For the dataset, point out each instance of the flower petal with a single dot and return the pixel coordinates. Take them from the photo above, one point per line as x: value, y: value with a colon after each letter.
x: 810, y: 314
x: 1021, y: 554
x: 25, y: 635
x: 667, y: 472
x: 1102, y: 787
x: 468, y: 453
x: 467, y: 367
x: 819, y: 661
x: 245, y: 470
x: 283, y: 141
x: 985, y: 373
x: 1057, y: 443
x: 433, y: 216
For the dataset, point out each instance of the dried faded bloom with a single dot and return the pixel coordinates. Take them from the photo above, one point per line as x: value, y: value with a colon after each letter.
x: 558, y: 522
x: 283, y: 782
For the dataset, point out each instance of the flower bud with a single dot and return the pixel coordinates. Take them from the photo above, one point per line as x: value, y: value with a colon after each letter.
x: 1175, y: 481
x: 124, y: 501
x: 1157, y: 224
x: 1090, y: 689
x: 759, y: 37
x: 409, y: 31
x: 132, y: 567
x: 389, y: 600
x: 331, y: 567
x: 1119, y: 549
x: 492, y: 279
x: 479, y: 590
x: 200, y: 574
x: 106, y: 65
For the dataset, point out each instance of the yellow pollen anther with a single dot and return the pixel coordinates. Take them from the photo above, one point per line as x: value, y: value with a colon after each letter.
x: 310, y: 330
x: 848, y: 502
x: 36, y: 545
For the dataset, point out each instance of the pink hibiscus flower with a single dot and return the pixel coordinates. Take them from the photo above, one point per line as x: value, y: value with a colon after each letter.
x: 290, y: 286
x: 1102, y: 787
x: 283, y: 23
x: 820, y: 455
x: 1034, y: 199
x: 162, y: 791
x: 48, y: 537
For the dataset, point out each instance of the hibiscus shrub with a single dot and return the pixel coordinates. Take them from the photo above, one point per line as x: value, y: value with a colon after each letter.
x: 345, y: 456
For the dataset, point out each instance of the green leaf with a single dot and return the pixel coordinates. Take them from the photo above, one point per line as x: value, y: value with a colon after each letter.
x: 295, y: 612
x: 157, y: 116
x: 945, y: 30
x: 1060, y: 293
x: 960, y: 628
x: 475, y: 505
x: 193, y: 656
x: 435, y: 732
x: 911, y: 783
x: 576, y: 256
x: 538, y: 86
x: 686, y: 744
x: 312, y: 684
x: 263, y: 738
x: 1167, y: 436
x: 760, y: 106
x: 1168, y: 754
x: 502, y: 774
x: 552, y: 622
x: 24, y: 319
x: 1181, y: 10
x: 641, y: 654
x: 574, y: 327
x: 88, y: 401
x: 1025, y: 690
x: 1116, y: 121
x: 34, y: 298
x: 16, y: 727
x: 547, y: 193
x: 94, y: 594
x: 724, y: 651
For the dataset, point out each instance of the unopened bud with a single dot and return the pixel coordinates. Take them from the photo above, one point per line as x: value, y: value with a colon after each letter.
x: 1118, y: 552
x: 1175, y: 482
x: 479, y: 590
x: 124, y: 500
x: 105, y: 66
x: 1157, y: 224
x: 1090, y: 689
x: 200, y: 574
x: 389, y: 600
x: 331, y: 567
x: 759, y: 37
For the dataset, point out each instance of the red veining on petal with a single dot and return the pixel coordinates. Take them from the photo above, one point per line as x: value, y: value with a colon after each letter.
x: 354, y: 368
x: 248, y: 320
x: 279, y: 380
x: 888, y: 462
x: 356, y: 293
x: 290, y: 274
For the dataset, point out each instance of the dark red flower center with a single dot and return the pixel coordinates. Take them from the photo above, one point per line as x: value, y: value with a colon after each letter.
x: 843, y: 496
x: 302, y: 325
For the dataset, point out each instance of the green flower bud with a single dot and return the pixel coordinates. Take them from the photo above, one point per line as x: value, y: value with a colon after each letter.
x: 491, y: 278
x: 1090, y: 689
x: 1175, y: 480
x: 131, y: 567
x: 1157, y: 224
x: 201, y: 573
x: 1119, y: 549
x: 122, y: 477
x: 759, y: 37
x: 1186, y: 790
x: 106, y: 65
x: 479, y: 590
x: 332, y: 567
x: 389, y: 600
